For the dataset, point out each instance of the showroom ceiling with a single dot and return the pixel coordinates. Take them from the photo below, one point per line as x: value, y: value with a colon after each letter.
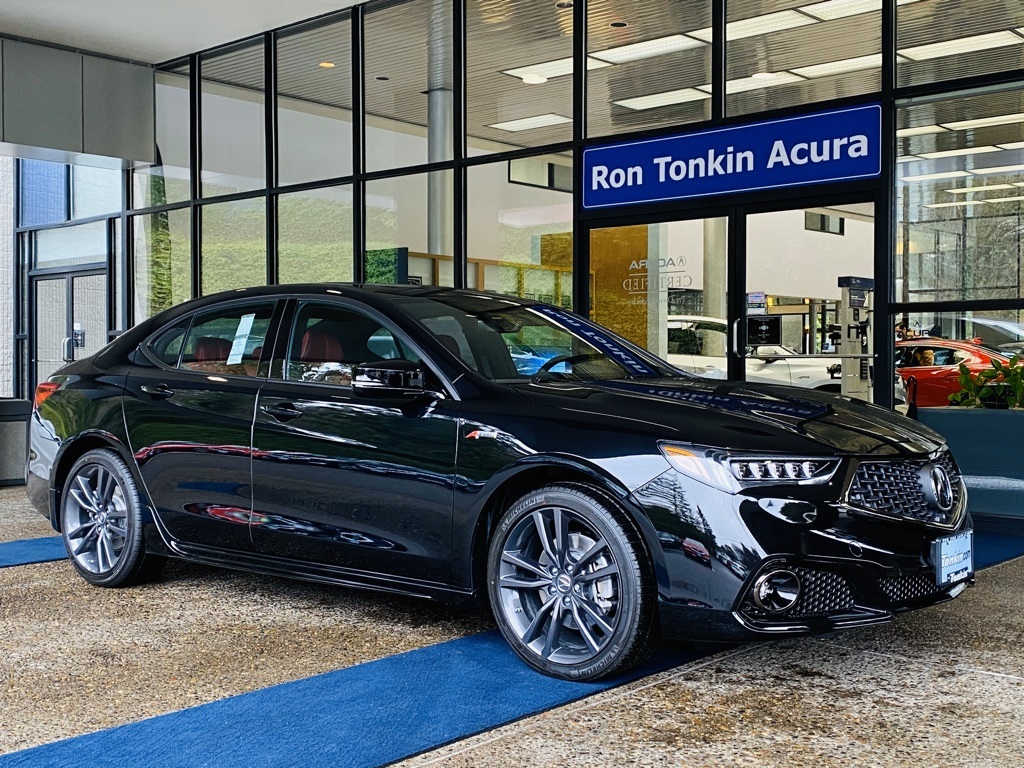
x: 155, y: 30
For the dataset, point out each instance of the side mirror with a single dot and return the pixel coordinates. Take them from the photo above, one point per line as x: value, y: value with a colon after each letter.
x: 389, y: 379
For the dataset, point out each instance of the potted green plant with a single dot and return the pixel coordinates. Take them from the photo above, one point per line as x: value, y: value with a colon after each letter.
x: 1001, y: 386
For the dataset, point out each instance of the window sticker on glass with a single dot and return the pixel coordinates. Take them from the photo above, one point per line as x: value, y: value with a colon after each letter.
x: 241, y: 339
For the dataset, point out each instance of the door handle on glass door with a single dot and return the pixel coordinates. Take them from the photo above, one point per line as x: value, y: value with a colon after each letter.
x: 157, y: 391
x: 69, y: 349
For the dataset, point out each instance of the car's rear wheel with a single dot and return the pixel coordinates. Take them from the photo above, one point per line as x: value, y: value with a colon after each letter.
x: 570, y: 584
x: 101, y: 522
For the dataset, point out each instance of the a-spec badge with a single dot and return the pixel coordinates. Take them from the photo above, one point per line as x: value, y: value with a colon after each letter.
x: 476, y: 434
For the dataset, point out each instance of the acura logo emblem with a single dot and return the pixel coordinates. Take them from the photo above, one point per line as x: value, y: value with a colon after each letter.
x: 942, y: 488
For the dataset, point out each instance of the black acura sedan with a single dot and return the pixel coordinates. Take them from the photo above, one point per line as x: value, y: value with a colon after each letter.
x: 464, y: 446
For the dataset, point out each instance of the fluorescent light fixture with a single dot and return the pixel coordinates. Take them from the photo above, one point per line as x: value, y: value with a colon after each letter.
x: 1013, y: 145
x: 838, y: 9
x: 958, y: 152
x: 647, y: 49
x: 962, y: 45
x: 527, y: 123
x: 1004, y: 199
x: 753, y: 83
x: 997, y: 169
x: 907, y: 158
x: 921, y: 130
x: 957, y: 204
x: 984, y: 122
x: 532, y: 79
x: 986, y: 188
x: 839, y: 67
x: 758, y: 25
x: 680, y: 96
x: 936, y: 176
x: 549, y: 69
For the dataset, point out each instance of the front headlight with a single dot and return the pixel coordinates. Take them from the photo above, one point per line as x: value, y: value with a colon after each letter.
x: 732, y: 472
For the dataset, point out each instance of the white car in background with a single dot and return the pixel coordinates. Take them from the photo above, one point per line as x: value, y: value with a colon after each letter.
x: 697, y: 344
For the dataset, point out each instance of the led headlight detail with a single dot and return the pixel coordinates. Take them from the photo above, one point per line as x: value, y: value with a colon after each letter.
x: 733, y: 472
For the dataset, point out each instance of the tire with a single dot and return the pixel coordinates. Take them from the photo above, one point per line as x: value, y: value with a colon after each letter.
x: 101, y: 522
x: 571, y: 585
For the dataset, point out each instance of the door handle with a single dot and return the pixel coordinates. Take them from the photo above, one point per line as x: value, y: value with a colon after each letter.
x: 69, y: 349
x: 736, y: 336
x: 282, y: 411
x: 157, y: 391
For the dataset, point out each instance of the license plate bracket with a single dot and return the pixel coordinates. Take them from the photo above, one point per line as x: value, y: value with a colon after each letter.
x: 953, y: 557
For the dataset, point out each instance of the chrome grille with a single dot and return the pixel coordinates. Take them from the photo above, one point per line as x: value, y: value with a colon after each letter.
x: 905, y: 589
x: 896, y: 488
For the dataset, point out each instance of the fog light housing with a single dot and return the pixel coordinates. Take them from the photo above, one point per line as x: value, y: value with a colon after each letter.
x: 776, y: 591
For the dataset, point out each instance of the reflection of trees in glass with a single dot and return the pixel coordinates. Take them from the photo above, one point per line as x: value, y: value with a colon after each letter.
x: 314, y: 242
x: 163, y: 269
x: 234, y: 245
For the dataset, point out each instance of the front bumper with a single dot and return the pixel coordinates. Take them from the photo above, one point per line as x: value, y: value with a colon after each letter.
x: 835, y: 594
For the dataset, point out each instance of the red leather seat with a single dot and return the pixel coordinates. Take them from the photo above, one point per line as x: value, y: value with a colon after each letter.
x: 210, y: 349
x: 320, y: 347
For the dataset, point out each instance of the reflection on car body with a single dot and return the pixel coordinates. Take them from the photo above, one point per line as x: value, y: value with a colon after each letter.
x: 585, y: 492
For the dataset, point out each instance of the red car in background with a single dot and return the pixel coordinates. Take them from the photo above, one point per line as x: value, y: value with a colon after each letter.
x: 930, y: 367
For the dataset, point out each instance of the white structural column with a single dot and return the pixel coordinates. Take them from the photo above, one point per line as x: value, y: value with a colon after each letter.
x: 716, y: 234
x: 440, y: 103
x: 7, y: 309
x: 657, y: 293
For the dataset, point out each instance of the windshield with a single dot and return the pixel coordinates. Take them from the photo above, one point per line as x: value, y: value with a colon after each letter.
x: 504, y: 341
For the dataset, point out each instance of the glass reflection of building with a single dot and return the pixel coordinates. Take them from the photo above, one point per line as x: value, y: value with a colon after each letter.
x: 436, y: 142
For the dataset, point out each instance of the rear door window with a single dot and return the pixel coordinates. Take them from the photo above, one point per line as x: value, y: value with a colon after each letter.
x: 228, y: 341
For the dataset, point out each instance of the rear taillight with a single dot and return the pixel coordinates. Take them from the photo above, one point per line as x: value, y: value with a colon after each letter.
x: 44, y: 390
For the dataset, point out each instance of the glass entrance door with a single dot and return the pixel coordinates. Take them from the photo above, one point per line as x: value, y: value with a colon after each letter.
x: 809, y: 294
x: 70, y: 319
x: 663, y: 287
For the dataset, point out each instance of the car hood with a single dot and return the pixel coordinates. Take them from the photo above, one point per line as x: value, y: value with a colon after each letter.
x: 740, y: 415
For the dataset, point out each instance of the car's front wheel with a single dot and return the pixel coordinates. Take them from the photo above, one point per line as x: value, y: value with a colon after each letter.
x: 570, y: 584
x: 101, y: 522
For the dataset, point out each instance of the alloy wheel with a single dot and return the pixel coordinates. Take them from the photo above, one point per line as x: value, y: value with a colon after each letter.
x: 95, y: 518
x: 559, y: 586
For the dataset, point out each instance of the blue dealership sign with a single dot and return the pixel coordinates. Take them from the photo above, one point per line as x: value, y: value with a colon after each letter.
x: 838, y: 145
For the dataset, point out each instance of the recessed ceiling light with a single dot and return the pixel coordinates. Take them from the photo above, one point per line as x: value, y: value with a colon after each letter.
x: 667, y: 98
x: 618, y: 24
x: 984, y: 122
x: 874, y: 61
x: 962, y: 45
x: 957, y: 204
x: 647, y: 49
x: 327, y: 64
x: 563, y: 5
x: 921, y: 130
x: 997, y: 169
x: 936, y: 176
x: 534, y: 79
x: 550, y: 69
x: 763, y: 76
x: 758, y: 25
x: 752, y: 83
x: 986, y: 188
x: 958, y: 152
x: 382, y: 78
x: 526, y: 123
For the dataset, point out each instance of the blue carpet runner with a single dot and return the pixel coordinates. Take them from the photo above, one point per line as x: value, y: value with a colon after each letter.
x: 368, y: 715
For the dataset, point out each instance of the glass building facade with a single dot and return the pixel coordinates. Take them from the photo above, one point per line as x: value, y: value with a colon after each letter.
x: 439, y: 142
